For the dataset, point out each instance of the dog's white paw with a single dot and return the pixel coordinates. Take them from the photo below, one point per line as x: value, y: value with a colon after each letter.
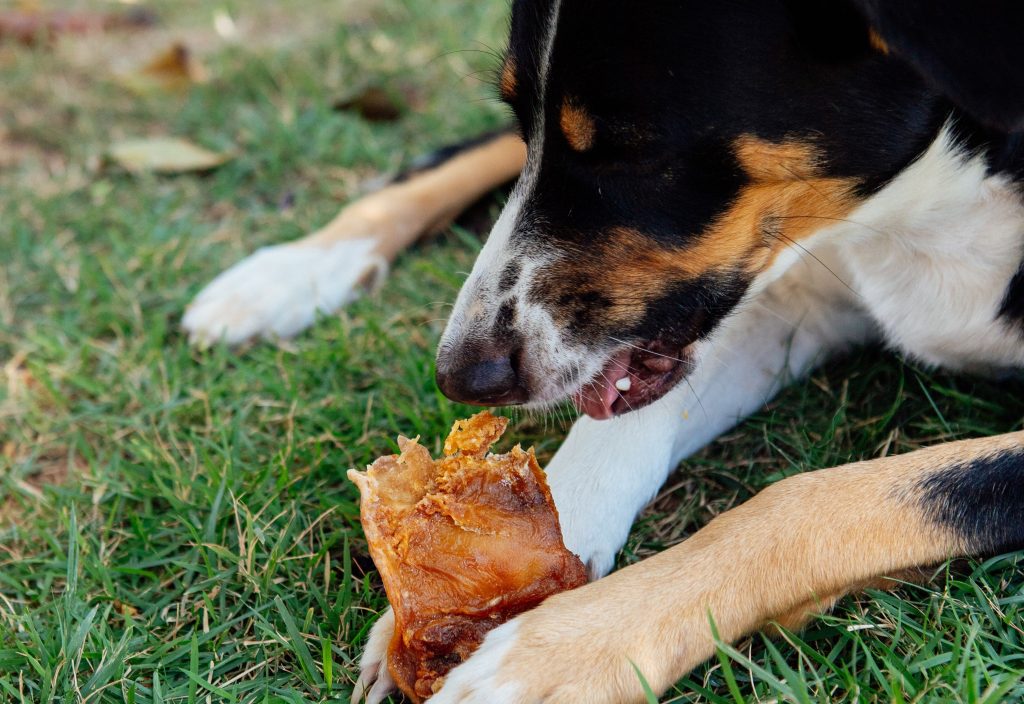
x: 575, y: 648
x: 604, y: 473
x: 277, y: 291
x: 475, y: 681
x: 375, y: 683
x: 594, y: 537
x: 597, y: 499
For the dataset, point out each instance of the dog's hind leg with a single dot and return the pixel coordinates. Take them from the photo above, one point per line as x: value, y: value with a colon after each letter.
x: 278, y: 290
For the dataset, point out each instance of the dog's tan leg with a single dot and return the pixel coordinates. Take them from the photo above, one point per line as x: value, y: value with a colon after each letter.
x: 798, y: 617
x: 399, y: 214
x: 278, y: 290
x: 804, y: 541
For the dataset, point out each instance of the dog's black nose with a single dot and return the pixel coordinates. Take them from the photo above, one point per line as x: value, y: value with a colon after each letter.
x: 486, y: 379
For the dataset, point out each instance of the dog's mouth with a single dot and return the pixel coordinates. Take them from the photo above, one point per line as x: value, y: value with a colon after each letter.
x: 633, y: 378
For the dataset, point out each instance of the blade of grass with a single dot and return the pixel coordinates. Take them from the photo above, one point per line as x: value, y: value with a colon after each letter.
x: 298, y: 643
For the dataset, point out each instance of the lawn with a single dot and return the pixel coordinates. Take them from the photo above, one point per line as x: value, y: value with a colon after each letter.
x: 175, y: 524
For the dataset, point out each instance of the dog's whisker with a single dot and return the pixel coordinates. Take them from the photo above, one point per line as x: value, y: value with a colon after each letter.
x: 800, y: 249
x: 644, y: 349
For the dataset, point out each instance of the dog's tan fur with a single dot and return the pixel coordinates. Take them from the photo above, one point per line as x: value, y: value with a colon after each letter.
x: 877, y: 43
x: 577, y: 125
x: 508, y: 84
x: 793, y: 549
x: 399, y: 214
x: 786, y: 200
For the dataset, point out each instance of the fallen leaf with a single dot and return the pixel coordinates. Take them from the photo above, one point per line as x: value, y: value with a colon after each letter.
x: 33, y: 26
x: 126, y: 610
x: 373, y: 104
x: 174, y: 69
x: 167, y: 155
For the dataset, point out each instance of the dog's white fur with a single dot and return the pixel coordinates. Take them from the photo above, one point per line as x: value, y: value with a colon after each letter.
x: 278, y: 291
x: 923, y: 265
x: 935, y: 256
x: 549, y: 354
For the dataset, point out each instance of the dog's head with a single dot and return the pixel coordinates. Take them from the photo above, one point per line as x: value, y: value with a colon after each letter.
x: 678, y: 153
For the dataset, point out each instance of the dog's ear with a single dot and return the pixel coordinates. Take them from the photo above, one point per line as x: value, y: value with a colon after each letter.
x: 970, y: 50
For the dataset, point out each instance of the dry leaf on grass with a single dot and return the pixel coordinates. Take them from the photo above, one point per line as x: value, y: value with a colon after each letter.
x: 373, y: 104
x: 53, y: 468
x: 166, y: 155
x: 174, y: 69
x: 33, y: 26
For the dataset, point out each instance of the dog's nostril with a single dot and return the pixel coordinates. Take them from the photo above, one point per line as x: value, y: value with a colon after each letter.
x: 515, y: 359
x: 490, y: 379
x: 483, y: 382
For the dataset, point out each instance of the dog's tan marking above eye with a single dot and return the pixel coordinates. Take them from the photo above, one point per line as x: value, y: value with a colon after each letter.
x: 877, y: 43
x: 577, y: 125
x: 507, y: 82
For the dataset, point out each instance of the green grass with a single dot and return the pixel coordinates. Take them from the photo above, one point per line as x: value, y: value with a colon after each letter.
x: 176, y: 526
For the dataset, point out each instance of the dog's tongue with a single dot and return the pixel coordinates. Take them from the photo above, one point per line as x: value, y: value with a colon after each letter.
x: 597, y: 397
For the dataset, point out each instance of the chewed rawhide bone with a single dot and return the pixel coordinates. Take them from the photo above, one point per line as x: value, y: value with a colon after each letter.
x: 462, y: 544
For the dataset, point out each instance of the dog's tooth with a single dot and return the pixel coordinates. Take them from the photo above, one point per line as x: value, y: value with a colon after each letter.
x: 623, y: 384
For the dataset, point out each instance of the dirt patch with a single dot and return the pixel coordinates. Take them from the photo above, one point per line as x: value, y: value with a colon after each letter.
x: 19, y: 385
x: 25, y: 490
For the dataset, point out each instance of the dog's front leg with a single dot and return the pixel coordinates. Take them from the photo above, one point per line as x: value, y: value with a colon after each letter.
x: 790, y: 551
x: 607, y: 471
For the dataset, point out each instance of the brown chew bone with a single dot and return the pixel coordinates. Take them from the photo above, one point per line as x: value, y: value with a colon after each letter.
x: 462, y: 545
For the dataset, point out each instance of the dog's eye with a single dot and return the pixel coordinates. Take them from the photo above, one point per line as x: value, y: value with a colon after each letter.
x: 627, y: 139
x: 617, y: 152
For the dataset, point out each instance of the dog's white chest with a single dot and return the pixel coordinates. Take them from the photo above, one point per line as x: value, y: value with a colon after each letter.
x: 931, y: 255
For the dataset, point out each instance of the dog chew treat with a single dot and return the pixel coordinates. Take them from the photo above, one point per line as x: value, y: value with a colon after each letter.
x: 462, y: 545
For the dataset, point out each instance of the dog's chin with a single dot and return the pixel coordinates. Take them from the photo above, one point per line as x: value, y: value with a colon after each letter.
x: 633, y: 378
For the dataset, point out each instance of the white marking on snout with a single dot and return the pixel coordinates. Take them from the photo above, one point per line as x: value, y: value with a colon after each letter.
x: 546, y: 356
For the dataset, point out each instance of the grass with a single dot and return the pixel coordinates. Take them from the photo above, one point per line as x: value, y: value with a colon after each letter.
x: 175, y: 525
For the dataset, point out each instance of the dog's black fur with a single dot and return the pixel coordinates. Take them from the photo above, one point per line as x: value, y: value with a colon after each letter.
x: 671, y: 86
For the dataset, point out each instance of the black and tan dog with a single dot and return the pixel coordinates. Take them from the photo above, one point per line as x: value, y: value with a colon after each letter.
x: 726, y: 192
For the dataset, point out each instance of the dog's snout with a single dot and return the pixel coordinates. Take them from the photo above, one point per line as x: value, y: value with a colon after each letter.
x: 483, y: 377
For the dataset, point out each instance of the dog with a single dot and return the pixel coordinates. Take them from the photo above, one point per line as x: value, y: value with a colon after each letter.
x: 726, y: 194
